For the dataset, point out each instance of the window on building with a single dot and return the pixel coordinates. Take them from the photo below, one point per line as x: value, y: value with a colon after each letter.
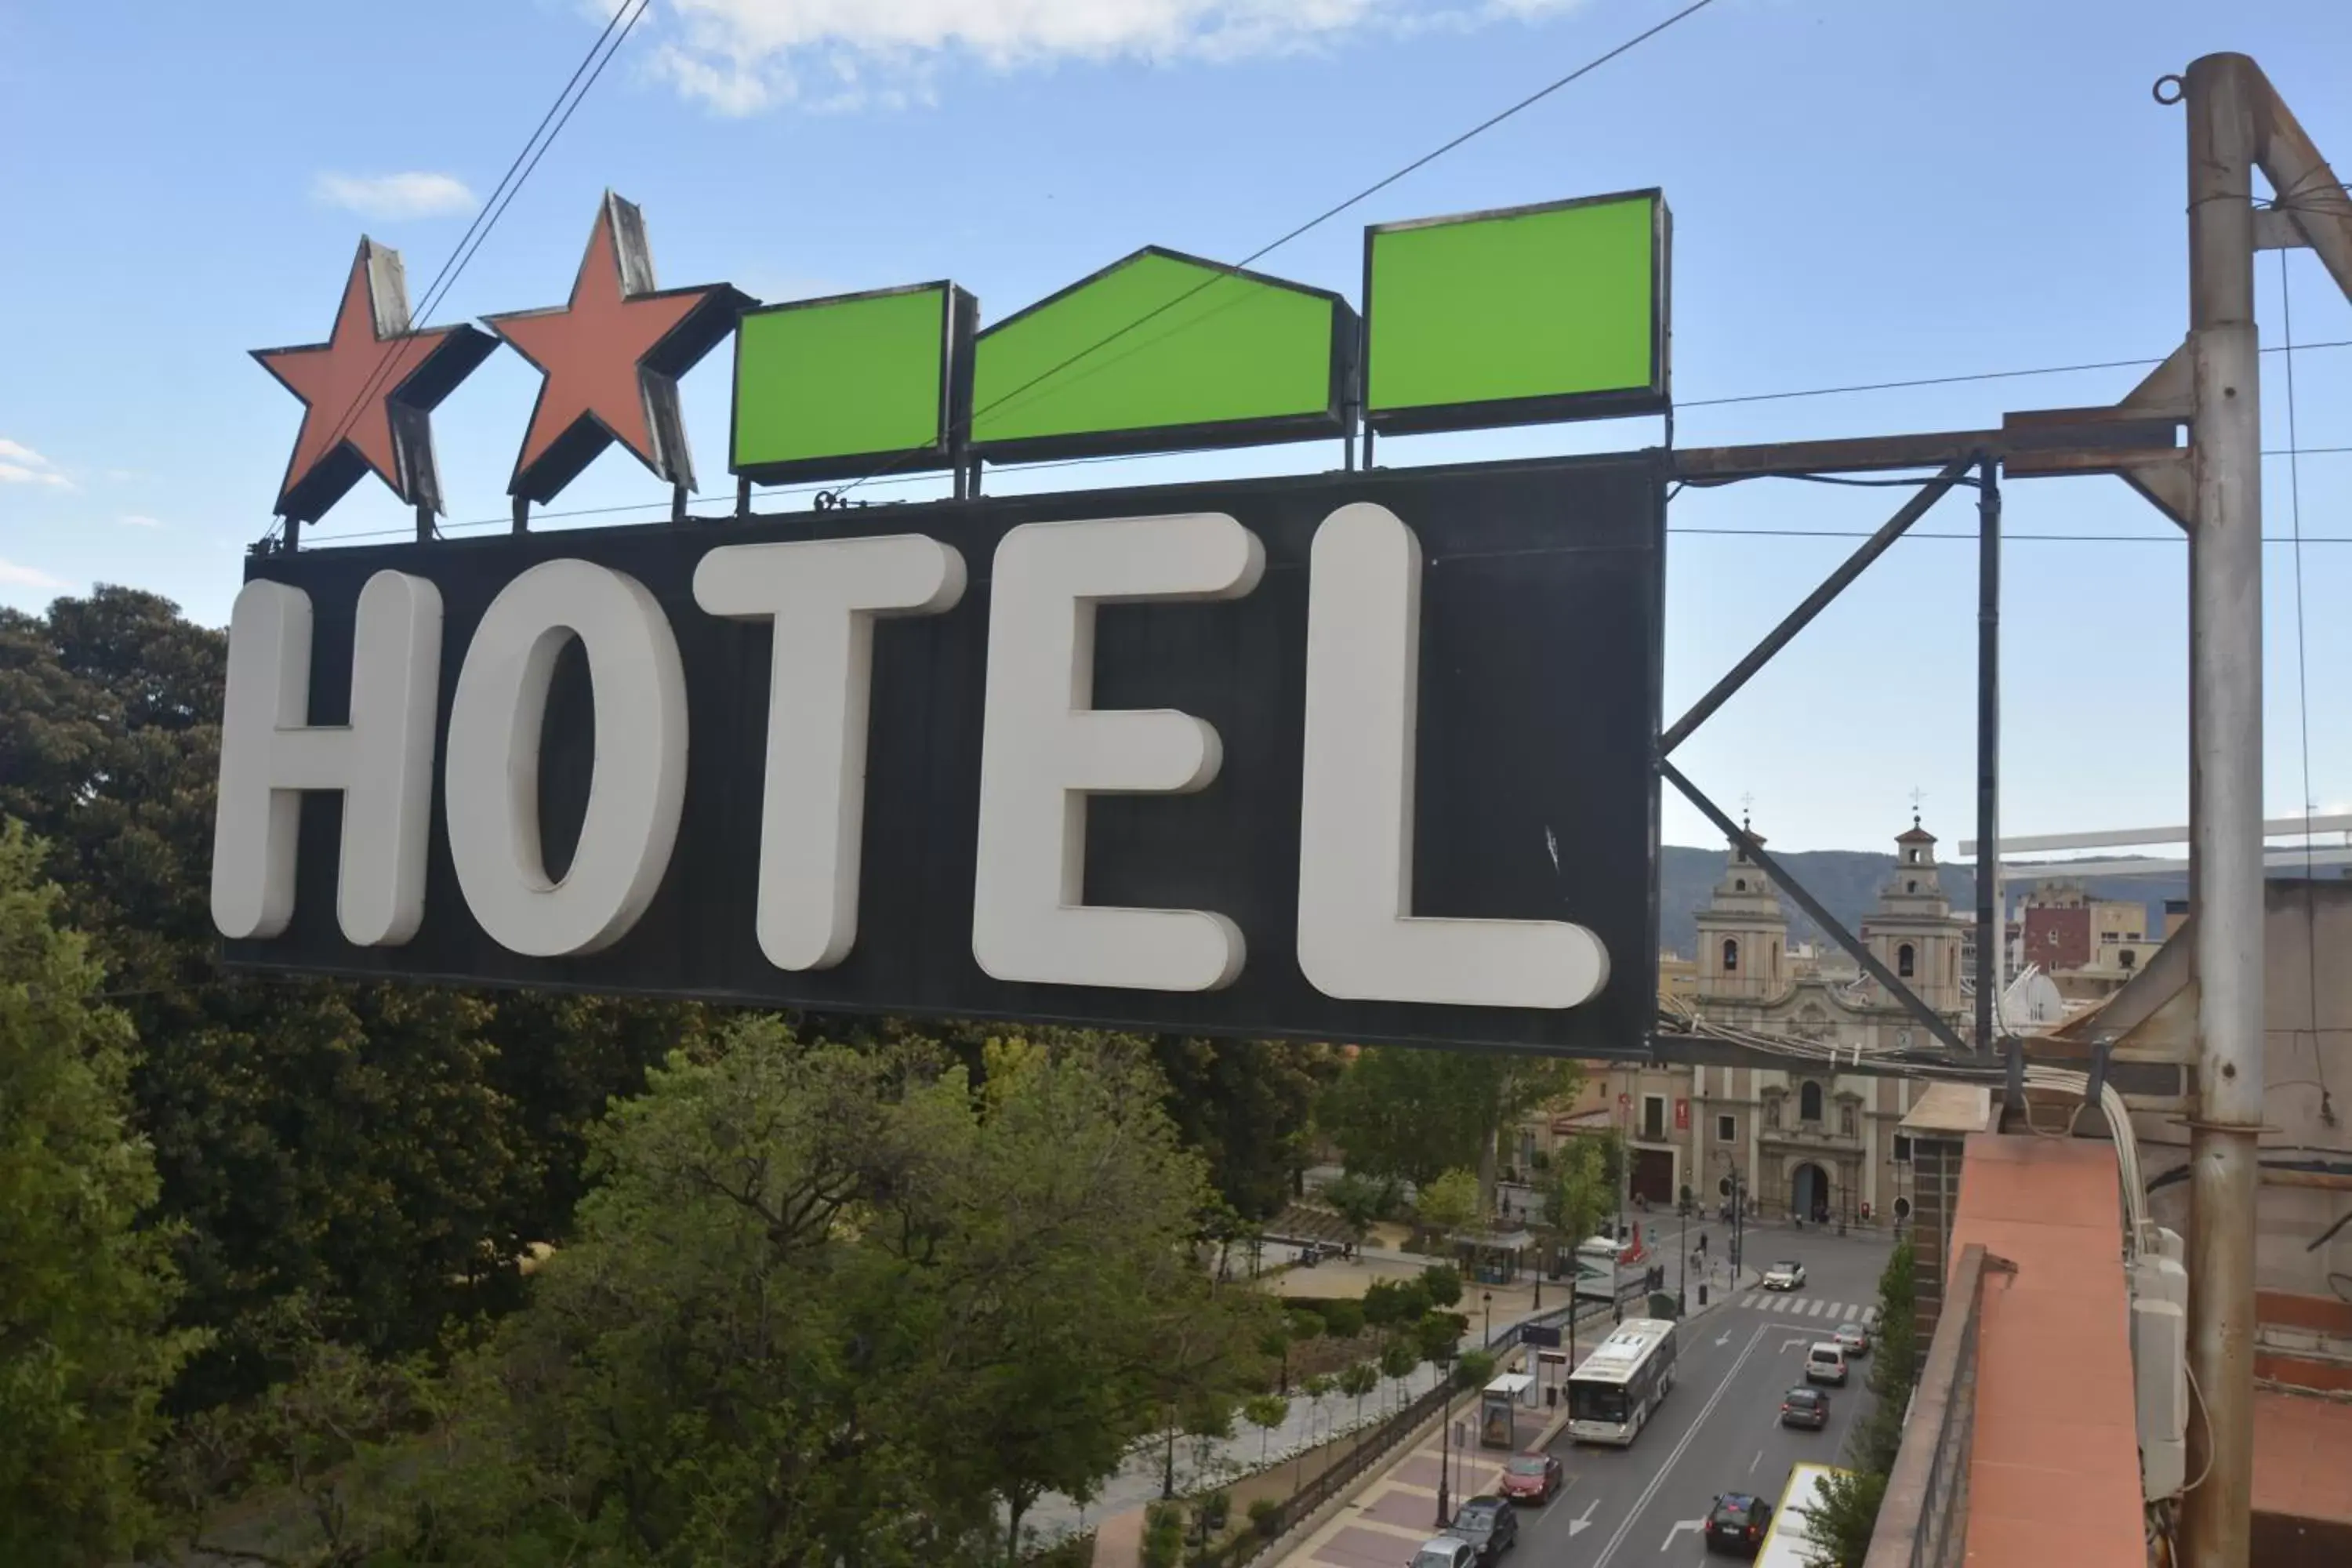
x: 1808, y: 1102
x: 1741, y: 885
x: 1731, y: 956
x: 2127, y: 958
x: 1906, y: 961
x: 1846, y: 1121
x: 1914, y: 855
x: 1912, y: 885
x: 1727, y: 1129
x: 1903, y: 1208
x: 1653, y: 1117
x: 1772, y: 1112
x: 1902, y: 1149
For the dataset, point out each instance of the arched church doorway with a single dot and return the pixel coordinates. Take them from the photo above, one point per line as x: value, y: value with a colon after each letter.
x: 1809, y: 1192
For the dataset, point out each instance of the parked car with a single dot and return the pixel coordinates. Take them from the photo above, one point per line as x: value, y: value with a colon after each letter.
x: 1824, y: 1362
x: 1488, y: 1524
x: 1784, y: 1276
x: 1805, y: 1407
x: 1533, y: 1478
x: 1736, y: 1523
x: 1446, y: 1551
x: 1852, y: 1338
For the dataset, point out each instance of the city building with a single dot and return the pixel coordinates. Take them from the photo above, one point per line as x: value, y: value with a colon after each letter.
x: 1803, y: 1140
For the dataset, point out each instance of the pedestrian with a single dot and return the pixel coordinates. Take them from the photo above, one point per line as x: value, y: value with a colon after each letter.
x: 1701, y: 1244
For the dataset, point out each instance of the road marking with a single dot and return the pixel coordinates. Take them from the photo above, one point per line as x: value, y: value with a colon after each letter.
x: 1750, y: 1300
x: 1815, y: 1309
x: 1788, y: 1346
x: 1681, y: 1525
x: 1583, y: 1521
x: 1723, y: 1338
x: 1756, y: 1461
x: 1870, y: 1316
x: 1667, y: 1469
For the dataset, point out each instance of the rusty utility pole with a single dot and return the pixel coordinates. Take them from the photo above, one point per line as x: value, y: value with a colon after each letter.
x: 2236, y: 123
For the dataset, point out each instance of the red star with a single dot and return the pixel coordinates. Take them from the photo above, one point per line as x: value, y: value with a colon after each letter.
x: 368, y: 392
x: 612, y: 358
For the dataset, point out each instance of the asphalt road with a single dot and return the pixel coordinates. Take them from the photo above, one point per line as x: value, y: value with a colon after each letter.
x: 1719, y: 1430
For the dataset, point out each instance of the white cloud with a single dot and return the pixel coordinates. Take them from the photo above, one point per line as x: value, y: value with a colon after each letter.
x: 743, y: 56
x: 389, y: 196
x: 20, y: 464
x: 136, y: 520
x: 15, y: 576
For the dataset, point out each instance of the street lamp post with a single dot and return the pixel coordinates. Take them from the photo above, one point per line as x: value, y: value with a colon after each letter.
x: 1682, y: 1266
x: 1486, y: 1299
x: 1445, y: 1449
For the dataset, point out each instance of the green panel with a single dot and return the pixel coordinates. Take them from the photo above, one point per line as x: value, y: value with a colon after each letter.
x: 840, y: 378
x: 1239, y: 348
x: 1543, y: 303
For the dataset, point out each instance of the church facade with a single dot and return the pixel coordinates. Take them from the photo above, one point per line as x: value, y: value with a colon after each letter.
x: 1806, y: 1139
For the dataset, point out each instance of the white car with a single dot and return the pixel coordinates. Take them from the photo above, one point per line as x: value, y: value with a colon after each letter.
x: 1784, y: 1276
x: 1852, y: 1338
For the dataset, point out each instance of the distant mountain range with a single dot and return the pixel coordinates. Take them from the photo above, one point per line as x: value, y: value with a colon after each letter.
x: 1848, y: 883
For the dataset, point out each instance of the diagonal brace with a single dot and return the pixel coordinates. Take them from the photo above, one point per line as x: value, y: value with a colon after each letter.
x: 1820, y: 916
x: 1779, y: 637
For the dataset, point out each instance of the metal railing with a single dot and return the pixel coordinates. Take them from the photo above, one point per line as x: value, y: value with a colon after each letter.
x: 1923, y: 1522
x: 1370, y: 1448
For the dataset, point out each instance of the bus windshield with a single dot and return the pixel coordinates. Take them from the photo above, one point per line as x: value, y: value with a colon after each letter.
x: 1596, y: 1401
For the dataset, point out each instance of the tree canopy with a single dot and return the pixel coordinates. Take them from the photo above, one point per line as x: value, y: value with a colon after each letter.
x: 85, y: 1292
x: 1413, y: 1114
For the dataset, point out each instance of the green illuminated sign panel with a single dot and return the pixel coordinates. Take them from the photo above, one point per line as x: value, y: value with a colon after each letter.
x: 1522, y: 316
x: 1163, y: 351
x: 833, y: 388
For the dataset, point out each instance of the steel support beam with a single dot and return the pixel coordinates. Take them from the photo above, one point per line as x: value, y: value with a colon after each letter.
x: 1779, y: 637
x: 1820, y: 914
x: 1990, y: 934
x: 2225, y: 98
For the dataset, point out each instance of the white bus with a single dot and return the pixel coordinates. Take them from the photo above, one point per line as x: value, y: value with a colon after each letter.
x: 1621, y: 1384
x: 1788, y: 1543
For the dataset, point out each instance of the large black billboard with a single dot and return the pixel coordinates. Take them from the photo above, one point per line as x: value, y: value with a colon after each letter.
x: 1356, y: 756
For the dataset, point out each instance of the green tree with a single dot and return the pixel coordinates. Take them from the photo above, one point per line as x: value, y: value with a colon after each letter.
x: 1399, y: 1357
x: 1343, y: 1320
x: 830, y: 1301
x: 1474, y: 1369
x: 85, y: 1290
x: 1389, y: 1303
x: 1360, y: 1201
x: 1450, y: 1204
x: 384, y: 1154
x: 1582, y: 1191
x: 1357, y: 1379
x: 1248, y: 1107
x: 1414, y: 1114
x: 1266, y: 1412
x: 1841, y: 1517
x: 1848, y: 1509
x: 1443, y: 1283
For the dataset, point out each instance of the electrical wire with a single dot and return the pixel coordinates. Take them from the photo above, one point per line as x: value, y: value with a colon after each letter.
x: 1383, y: 182
x: 478, y: 232
x: 2303, y: 699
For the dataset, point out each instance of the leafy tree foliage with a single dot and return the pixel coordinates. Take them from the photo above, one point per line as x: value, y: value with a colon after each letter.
x: 384, y: 1153
x: 1248, y: 1107
x: 85, y: 1292
x: 1415, y: 1114
x: 1581, y: 1188
x: 841, y: 1305
x: 1848, y: 1509
x: 1450, y: 1204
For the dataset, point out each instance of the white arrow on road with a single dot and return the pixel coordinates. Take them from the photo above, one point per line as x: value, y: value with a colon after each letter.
x: 1583, y: 1521
x: 1723, y: 1338
x: 1791, y: 1344
x: 1680, y: 1525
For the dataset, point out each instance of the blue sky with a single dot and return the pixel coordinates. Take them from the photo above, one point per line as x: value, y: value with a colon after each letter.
x: 1862, y: 192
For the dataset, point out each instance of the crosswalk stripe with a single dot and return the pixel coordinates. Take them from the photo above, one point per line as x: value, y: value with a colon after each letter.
x: 1815, y: 1309
x: 1870, y: 1316
x: 1750, y: 1299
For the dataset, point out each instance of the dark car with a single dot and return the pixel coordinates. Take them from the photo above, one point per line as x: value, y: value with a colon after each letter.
x: 1488, y: 1524
x: 1532, y: 1478
x: 1736, y: 1523
x: 1805, y: 1407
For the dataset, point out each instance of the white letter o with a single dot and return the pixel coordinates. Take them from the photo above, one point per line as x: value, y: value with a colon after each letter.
x: 491, y: 786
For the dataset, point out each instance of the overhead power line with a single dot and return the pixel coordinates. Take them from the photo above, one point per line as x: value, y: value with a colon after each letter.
x: 1325, y: 216
x: 518, y: 170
